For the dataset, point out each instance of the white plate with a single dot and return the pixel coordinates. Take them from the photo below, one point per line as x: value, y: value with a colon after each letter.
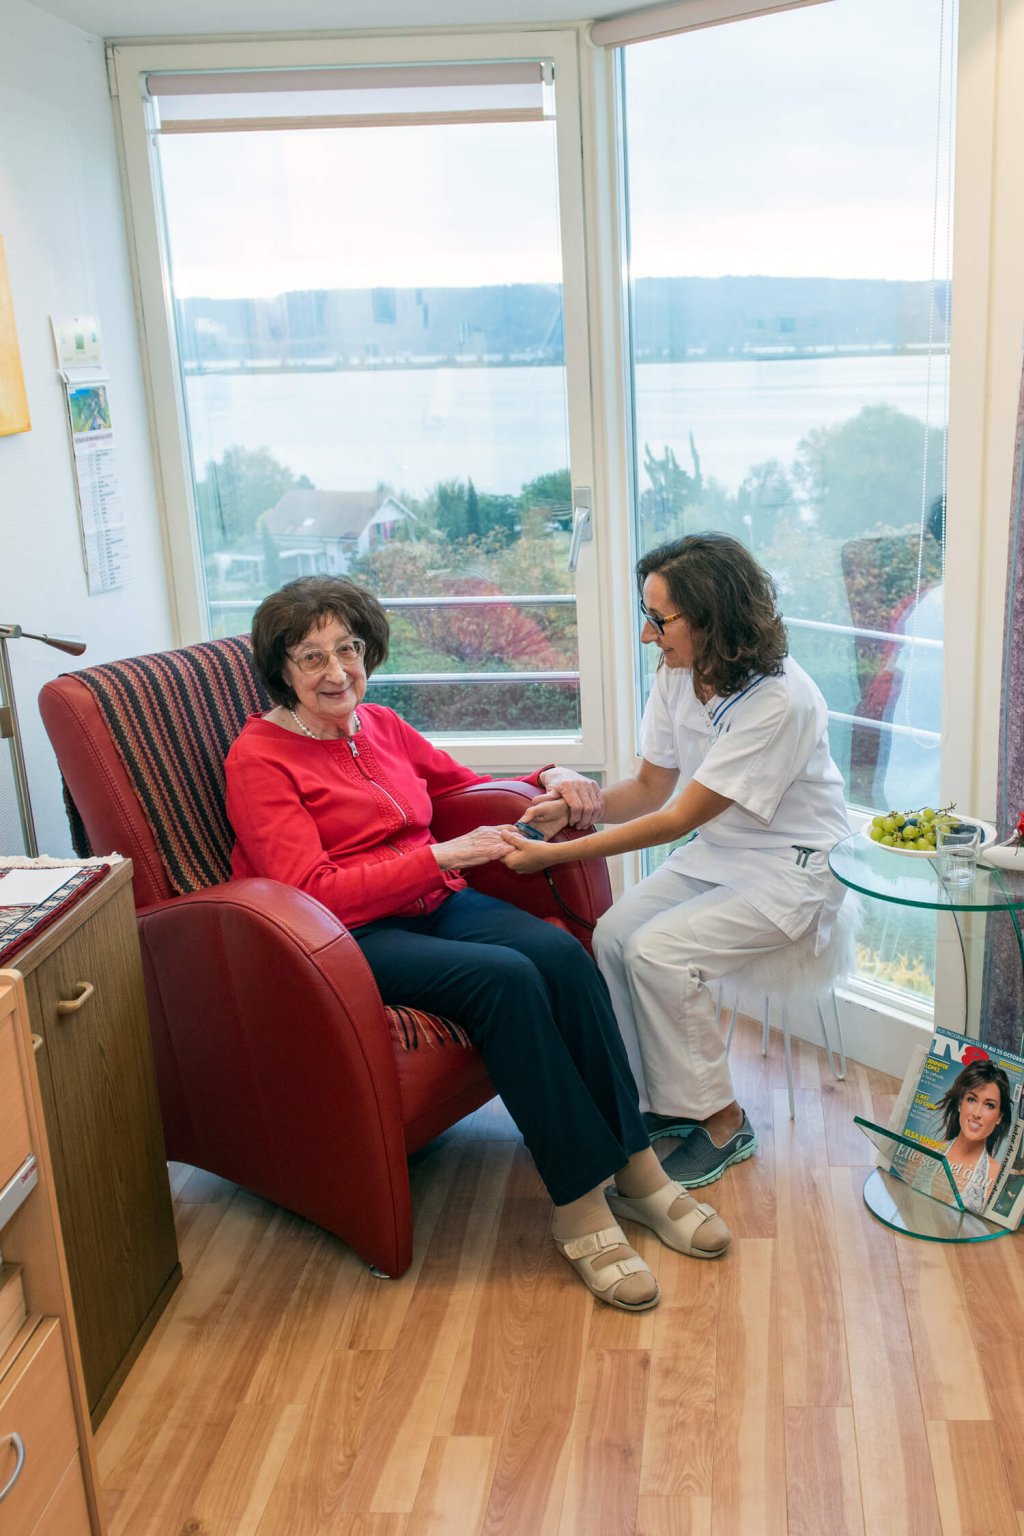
x: 989, y: 836
x: 1005, y: 855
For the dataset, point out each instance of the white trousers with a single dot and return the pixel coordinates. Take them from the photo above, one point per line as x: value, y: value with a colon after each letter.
x: 657, y: 948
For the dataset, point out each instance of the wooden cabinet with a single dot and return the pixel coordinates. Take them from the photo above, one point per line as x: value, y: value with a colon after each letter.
x: 87, y: 1003
x: 48, y: 1481
x: 14, y: 1137
x: 35, y: 1402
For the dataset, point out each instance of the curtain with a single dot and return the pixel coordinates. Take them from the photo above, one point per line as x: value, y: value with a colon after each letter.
x: 1002, y: 1012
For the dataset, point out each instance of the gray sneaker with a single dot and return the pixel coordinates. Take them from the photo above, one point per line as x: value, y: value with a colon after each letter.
x: 667, y: 1125
x: 698, y: 1161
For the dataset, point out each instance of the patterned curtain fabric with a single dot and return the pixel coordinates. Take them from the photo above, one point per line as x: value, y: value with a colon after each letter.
x: 1002, y: 1013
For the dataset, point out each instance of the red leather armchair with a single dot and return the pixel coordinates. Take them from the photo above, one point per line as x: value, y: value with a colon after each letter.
x: 276, y: 1063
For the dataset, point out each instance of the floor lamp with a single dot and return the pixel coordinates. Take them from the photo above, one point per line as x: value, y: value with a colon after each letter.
x: 9, y: 722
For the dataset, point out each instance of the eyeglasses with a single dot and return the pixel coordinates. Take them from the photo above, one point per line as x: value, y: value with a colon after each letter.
x: 311, y: 661
x: 659, y: 624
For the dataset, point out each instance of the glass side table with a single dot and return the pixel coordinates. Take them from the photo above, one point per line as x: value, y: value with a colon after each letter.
x: 882, y: 875
x: 907, y: 881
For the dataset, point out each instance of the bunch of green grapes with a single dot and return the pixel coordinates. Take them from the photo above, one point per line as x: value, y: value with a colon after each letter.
x: 911, y: 829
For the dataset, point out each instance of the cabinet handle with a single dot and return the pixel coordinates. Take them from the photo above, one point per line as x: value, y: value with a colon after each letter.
x: 19, y: 1446
x: 37, y: 1043
x: 87, y: 990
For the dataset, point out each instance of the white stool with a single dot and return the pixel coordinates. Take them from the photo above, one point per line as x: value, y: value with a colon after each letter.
x: 796, y: 974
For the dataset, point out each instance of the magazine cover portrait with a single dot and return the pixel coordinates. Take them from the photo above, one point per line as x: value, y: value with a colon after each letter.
x: 964, y: 1102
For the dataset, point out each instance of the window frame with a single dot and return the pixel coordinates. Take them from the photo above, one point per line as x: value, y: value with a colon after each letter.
x: 128, y: 66
x: 985, y: 371
x: 987, y: 324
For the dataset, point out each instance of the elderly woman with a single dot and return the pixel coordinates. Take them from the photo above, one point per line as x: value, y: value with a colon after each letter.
x: 334, y: 796
x: 745, y: 731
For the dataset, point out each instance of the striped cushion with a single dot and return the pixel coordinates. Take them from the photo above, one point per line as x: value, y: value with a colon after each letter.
x: 411, y: 1030
x: 173, y: 717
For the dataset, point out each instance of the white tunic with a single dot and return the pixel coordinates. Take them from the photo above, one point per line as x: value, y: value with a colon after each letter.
x: 766, y: 749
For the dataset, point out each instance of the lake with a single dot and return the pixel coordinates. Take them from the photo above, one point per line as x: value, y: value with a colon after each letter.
x: 501, y: 427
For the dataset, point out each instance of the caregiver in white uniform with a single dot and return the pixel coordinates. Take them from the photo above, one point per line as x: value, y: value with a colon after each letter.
x: 744, y: 730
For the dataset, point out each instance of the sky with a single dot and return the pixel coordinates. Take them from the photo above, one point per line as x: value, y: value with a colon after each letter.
x: 798, y: 144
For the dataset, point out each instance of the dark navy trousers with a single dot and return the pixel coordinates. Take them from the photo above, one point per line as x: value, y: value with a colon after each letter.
x: 537, y: 1009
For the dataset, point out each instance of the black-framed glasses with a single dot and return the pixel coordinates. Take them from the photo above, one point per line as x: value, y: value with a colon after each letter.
x: 311, y: 659
x: 656, y: 623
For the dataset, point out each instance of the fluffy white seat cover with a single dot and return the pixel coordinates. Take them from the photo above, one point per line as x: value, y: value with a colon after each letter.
x: 794, y: 973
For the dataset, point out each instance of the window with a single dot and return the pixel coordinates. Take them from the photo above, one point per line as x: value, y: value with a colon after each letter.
x: 378, y: 361
x: 789, y: 231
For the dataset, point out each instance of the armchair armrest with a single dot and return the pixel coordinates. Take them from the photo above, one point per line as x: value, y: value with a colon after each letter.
x: 576, y: 894
x: 274, y: 1062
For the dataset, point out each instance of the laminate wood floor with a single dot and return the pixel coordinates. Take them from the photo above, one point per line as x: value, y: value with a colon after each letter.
x: 825, y: 1377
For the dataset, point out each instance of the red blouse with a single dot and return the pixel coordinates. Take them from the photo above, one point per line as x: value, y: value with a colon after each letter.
x: 348, y: 821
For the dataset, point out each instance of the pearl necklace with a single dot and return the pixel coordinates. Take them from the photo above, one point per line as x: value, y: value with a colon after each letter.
x: 304, y: 728
x: 312, y: 734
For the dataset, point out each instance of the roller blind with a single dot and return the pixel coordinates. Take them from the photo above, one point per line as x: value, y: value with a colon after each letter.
x: 351, y: 97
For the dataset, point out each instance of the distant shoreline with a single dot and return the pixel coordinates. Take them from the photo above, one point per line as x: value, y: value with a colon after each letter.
x: 239, y: 368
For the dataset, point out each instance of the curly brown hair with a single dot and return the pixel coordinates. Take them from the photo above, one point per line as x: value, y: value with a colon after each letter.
x: 730, y: 602
x: 286, y: 617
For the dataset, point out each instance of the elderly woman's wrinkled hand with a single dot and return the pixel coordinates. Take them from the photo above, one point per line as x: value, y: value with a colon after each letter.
x: 480, y: 846
x: 584, y: 798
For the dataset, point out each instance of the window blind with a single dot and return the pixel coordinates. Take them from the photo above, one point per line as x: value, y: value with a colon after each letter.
x: 351, y: 97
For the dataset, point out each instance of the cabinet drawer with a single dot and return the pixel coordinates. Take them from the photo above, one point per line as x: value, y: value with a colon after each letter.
x: 35, y: 1403
x: 67, y: 1513
x: 14, y: 1140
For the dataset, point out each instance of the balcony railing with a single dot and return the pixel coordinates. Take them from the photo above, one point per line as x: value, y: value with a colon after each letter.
x: 225, y: 606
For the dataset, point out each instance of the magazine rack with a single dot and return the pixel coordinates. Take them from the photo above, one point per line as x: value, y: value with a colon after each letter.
x: 903, y: 1199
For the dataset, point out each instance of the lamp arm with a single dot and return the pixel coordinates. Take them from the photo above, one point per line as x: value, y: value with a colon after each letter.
x: 9, y: 730
x: 15, y: 632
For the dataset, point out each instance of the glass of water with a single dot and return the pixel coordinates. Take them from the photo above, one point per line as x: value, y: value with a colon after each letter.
x: 958, y: 854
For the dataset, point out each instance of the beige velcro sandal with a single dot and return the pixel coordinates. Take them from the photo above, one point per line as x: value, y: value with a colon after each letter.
x: 696, y: 1230
x: 605, y: 1280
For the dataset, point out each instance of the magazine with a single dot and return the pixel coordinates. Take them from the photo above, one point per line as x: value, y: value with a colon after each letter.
x: 961, y: 1105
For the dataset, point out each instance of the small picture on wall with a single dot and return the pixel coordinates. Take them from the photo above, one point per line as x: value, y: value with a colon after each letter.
x: 90, y: 409
x: 13, y: 402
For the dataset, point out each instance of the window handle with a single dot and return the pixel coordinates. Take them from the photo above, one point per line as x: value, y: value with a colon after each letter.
x: 582, y: 524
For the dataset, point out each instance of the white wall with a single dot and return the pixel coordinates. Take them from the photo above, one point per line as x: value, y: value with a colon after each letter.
x: 63, y: 226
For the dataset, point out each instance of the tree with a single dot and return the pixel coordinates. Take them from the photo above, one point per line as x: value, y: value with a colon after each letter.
x: 460, y: 512
x: 493, y: 636
x: 499, y: 519
x: 671, y: 491
x: 272, y: 573
x: 766, y: 491
x: 765, y: 499
x: 236, y: 490
x: 552, y: 495
x: 450, y: 509
x: 472, y: 512
x: 399, y: 569
x: 865, y: 473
